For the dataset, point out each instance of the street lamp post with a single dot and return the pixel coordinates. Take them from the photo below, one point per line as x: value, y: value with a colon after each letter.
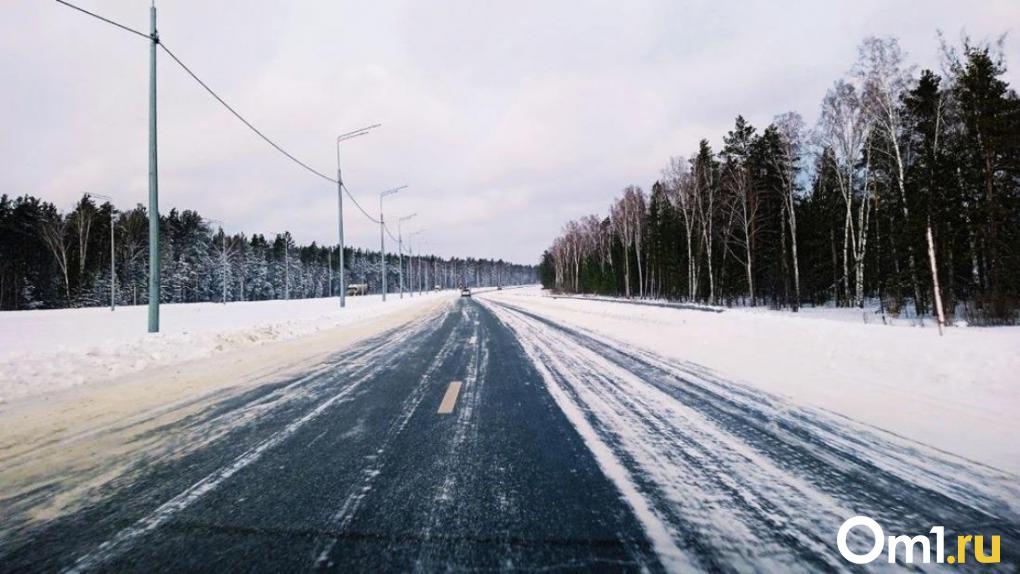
x: 113, y: 260
x: 411, y: 254
x: 400, y: 250
x: 286, y: 266
x: 340, y: 204
x: 423, y: 269
x: 382, y: 236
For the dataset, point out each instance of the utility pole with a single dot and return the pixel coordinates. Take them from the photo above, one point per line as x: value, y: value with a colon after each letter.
x: 423, y: 270
x: 410, y: 267
x: 415, y: 234
x: 400, y: 249
x: 382, y: 248
x: 223, y: 236
x: 340, y: 205
x: 382, y: 236
x: 340, y: 227
x: 286, y: 266
x: 113, y: 263
x: 153, y: 183
x: 329, y: 274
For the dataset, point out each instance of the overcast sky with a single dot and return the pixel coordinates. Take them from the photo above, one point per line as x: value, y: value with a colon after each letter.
x: 505, y: 119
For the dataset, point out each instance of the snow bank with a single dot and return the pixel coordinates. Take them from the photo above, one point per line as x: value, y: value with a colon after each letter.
x: 43, y: 351
x: 959, y: 393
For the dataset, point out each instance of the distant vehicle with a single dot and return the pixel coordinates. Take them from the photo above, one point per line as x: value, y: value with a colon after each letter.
x: 465, y: 292
x: 436, y: 288
x: 357, y: 289
x: 499, y: 287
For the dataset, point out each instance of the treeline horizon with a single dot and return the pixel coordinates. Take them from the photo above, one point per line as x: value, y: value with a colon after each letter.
x: 50, y: 259
x: 907, y: 191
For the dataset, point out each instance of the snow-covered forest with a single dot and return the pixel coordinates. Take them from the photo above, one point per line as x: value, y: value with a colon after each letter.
x: 50, y: 259
x: 906, y: 192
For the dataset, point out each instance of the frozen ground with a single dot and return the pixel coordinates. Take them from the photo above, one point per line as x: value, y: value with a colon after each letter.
x: 959, y: 393
x: 43, y: 351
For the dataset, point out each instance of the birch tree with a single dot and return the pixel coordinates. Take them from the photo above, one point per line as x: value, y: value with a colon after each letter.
x: 791, y: 130
x: 681, y: 188
x: 844, y: 129
x: 53, y: 233
x: 705, y: 196
x: 623, y: 227
x: 885, y: 80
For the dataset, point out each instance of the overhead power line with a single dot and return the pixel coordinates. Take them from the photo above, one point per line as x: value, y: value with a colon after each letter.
x: 229, y: 108
x: 212, y: 93
x: 107, y: 20
x: 241, y: 118
x: 390, y: 233
x: 358, y: 205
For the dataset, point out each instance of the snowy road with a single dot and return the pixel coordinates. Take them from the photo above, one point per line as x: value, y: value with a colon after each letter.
x: 489, y: 437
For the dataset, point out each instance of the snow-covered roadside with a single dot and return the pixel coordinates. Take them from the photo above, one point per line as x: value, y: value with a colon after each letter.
x: 959, y: 393
x: 44, y: 351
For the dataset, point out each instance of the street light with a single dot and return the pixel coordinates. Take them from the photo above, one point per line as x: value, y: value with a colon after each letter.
x: 329, y: 272
x: 410, y: 248
x: 382, y: 236
x: 400, y: 249
x: 424, y: 285
x: 340, y: 203
x: 223, y: 256
x: 113, y: 268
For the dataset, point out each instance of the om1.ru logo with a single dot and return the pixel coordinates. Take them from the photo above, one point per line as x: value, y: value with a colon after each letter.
x: 912, y: 544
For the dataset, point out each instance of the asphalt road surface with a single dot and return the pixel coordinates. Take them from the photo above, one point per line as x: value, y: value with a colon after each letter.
x: 488, y: 437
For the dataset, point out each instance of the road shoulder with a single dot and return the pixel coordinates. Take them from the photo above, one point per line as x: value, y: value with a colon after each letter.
x: 93, y: 430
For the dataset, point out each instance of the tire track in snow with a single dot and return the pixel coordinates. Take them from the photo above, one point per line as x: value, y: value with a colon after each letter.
x: 840, y: 445
x: 680, y: 464
x: 392, y: 350
x: 341, y: 520
x: 465, y: 427
x: 737, y: 486
x: 663, y: 539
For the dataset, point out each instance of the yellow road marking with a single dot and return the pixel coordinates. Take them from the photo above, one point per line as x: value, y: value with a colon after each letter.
x: 450, y: 398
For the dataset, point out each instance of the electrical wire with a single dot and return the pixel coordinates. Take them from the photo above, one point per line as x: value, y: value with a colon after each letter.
x: 235, y: 113
x: 241, y: 118
x: 358, y: 205
x: 107, y: 20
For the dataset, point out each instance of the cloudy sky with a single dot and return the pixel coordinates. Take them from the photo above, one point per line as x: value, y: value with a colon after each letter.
x: 504, y: 118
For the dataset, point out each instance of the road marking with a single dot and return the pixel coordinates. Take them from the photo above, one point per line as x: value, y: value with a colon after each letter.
x: 450, y: 398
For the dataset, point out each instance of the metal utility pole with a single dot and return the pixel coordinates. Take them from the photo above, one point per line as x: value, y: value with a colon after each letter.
x: 382, y: 236
x: 113, y: 262
x: 223, y: 236
x: 340, y: 205
x: 286, y: 266
x: 400, y: 249
x: 153, y: 183
x: 415, y: 234
x: 113, y: 259
x: 423, y: 270
x: 410, y: 267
